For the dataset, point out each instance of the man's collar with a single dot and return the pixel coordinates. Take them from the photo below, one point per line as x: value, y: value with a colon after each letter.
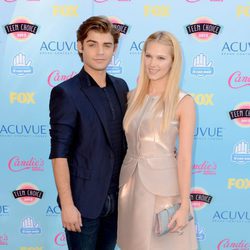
x: 92, y: 82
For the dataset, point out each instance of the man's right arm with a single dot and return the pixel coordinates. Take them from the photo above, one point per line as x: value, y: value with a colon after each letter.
x: 63, y: 123
x: 71, y: 217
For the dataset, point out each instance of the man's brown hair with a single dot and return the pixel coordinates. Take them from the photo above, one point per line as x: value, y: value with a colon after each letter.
x: 97, y: 23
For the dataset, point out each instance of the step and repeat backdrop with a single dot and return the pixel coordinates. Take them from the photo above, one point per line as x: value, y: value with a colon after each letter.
x: 38, y: 51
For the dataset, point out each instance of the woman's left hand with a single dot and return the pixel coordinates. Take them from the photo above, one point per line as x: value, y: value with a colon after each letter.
x: 179, y: 220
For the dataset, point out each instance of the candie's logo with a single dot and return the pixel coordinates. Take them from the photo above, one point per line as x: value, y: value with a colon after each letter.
x: 200, y: 198
x: 60, y: 239
x: 241, y: 114
x: 28, y: 194
x: 203, y: 29
x: 21, y: 29
x: 205, y: 168
x: 56, y: 77
x: 227, y: 244
x: 3, y: 239
x: 238, y: 80
x: 17, y: 164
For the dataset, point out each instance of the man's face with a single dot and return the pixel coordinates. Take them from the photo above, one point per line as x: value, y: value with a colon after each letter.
x: 97, y: 50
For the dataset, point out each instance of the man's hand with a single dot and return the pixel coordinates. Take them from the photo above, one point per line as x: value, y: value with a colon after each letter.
x: 71, y: 218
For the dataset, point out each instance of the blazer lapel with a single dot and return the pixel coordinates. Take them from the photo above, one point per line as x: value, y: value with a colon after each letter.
x: 121, y: 95
x: 93, y: 96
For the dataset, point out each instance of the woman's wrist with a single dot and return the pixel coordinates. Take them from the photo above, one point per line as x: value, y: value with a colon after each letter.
x: 185, y: 202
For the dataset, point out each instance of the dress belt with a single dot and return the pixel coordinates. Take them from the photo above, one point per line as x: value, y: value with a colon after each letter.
x: 141, y: 156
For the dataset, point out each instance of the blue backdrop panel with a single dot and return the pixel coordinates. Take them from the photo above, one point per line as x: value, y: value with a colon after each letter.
x: 38, y: 51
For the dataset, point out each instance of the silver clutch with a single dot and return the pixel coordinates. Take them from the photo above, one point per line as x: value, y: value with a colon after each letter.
x: 163, y: 218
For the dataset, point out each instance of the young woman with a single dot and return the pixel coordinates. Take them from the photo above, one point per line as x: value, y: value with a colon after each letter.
x: 152, y: 176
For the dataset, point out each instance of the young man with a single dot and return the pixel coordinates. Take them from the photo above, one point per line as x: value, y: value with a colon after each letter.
x: 87, y: 140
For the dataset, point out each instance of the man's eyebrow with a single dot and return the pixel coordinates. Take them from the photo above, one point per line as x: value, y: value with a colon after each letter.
x: 93, y: 41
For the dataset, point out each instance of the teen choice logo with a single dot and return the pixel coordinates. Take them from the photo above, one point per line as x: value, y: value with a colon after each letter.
x: 200, y: 198
x: 27, y: 194
x: 241, y: 114
x: 203, y: 29
x: 119, y: 24
x: 21, y: 29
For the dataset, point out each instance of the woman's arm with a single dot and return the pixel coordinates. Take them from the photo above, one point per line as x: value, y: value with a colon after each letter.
x: 186, y: 116
x: 184, y: 159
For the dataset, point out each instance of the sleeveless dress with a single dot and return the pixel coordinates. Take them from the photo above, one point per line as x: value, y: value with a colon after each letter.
x: 148, y: 184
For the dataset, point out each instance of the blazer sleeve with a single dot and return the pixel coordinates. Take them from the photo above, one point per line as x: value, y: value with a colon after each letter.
x: 62, y: 122
x: 125, y: 86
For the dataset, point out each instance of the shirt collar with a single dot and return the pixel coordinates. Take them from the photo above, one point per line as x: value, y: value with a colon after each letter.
x: 94, y: 83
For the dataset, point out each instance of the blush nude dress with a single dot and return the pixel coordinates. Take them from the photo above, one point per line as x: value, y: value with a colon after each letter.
x: 148, y: 184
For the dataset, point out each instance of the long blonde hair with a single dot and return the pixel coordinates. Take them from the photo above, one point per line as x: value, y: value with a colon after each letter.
x: 169, y: 98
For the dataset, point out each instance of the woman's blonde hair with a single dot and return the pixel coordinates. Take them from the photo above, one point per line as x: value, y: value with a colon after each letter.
x: 169, y: 98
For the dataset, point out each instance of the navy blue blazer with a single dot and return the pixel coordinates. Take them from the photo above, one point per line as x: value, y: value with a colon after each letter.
x: 79, y: 133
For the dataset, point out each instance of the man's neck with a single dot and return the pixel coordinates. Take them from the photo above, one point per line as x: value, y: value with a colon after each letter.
x: 98, y: 75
